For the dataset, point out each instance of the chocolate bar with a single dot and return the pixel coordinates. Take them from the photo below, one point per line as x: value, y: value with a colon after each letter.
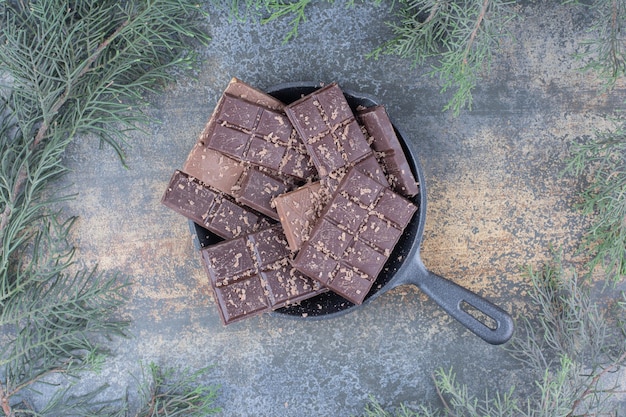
x: 246, y: 184
x: 251, y: 275
x: 244, y: 128
x: 298, y: 210
x: 328, y: 128
x: 386, y: 143
x: 214, y: 168
x: 210, y: 208
x: 368, y: 166
x: 354, y: 236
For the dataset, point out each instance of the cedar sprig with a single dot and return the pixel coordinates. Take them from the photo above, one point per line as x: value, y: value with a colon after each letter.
x: 602, y: 159
x: 86, y: 67
x: 458, y: 39
x: 70, y: 69
x: 569, y: 344
x: 460, y: 36
x: 271, y: 10
x: 171, y: 393
x: 281, y: 8
x: 605, y: 51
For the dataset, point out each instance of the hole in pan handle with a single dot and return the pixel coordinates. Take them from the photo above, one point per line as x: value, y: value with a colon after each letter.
x: 481, y: 317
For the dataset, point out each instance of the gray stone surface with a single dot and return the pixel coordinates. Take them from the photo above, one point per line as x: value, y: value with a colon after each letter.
x: 496, y: 202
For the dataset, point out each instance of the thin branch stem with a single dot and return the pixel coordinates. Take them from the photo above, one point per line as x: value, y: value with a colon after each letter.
x: 432, y: 14
x: 594, y: 381
x: 4, y: 403
x: 440, y: 394
x: 474, y: 33
x: 45, y: 125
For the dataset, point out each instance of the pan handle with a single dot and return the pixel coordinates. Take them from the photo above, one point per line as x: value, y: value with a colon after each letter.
x: 481, y: 317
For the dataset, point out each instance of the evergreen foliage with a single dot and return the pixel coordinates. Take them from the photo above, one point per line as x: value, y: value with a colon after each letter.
x: 571, y: 345
x: 604, y: 52
x: 69, y: 69
x: 80, y: 68
x: 602, y: 159
x: 459, y: 36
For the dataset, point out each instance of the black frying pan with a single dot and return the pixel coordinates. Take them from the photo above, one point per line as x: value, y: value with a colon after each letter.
x: 405, y: 266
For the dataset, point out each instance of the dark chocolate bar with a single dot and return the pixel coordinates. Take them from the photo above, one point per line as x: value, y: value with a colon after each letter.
x: 252, y: 274
x: 242, y: 127
x: 386, y: 143
x: 368, y: 166
x: 328, y: 129
x: 210, y: 208
x: 249, y: 185
x: 354, y: 236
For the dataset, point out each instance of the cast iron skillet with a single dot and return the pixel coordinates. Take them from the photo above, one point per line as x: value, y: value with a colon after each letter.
x: 405, y: 266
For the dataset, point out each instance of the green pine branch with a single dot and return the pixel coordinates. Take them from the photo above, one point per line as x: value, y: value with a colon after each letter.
x: 169, y: 395
x: 602, y: 158
x: 459, y: 37
x: 569, y: 344
x: 281, y: 8
x: 71, y: 70
x: 605, y: 51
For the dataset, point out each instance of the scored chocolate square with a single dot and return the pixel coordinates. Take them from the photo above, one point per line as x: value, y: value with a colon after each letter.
x: 298, y: 210
x: 328, y: 128
x: 385, y: 142
x: 210, y: 208
x: 248, y: 185
x: 251, y: 275
x: 244, y: 128
x: 355, y: 235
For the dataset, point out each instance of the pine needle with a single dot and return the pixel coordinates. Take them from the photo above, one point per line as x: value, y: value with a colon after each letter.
x: 73, y: 70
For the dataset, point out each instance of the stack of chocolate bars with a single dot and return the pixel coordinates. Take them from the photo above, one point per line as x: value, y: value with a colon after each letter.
x: 309, y: 197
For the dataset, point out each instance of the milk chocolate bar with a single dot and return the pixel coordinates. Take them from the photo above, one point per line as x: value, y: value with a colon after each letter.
x: 386, y: 143
x: 354, y: 236
x: 214, y: 168
x: 328, y: 128
x: 210, y: 208
x: 249, y: 185
x: 244, y: 128
x: 251, y: 274
x: 298, y: 210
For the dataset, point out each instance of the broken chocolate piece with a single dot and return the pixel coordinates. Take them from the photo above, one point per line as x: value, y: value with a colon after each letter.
x: 368, y: 166
x: 354, y: 236
x: 298, y: 211
x: 257, y: 189
x: 251, y: 275
x: 328, y: 129
x: 238, y: 88
x: 210, y: 208
x: 250, y: 132
x: 248, y: 185
x: 386, y: 143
